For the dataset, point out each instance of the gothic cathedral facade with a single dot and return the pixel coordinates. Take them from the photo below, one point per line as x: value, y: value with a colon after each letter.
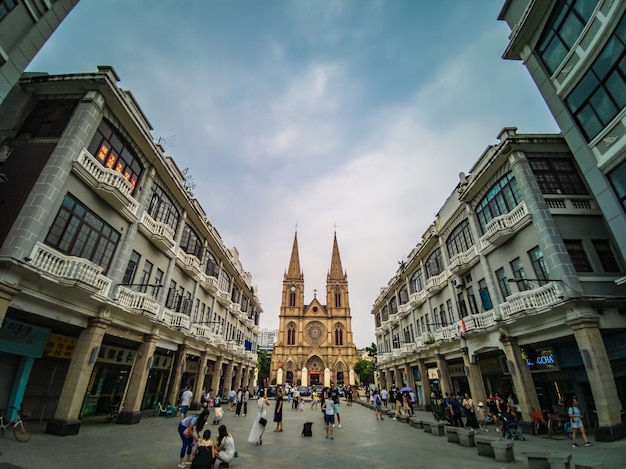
x: 314, y: 344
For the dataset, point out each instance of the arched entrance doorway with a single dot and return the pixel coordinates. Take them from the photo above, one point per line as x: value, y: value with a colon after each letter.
x: 315, y: 365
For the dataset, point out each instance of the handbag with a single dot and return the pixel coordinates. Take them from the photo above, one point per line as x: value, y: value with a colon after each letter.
x: 263, y: 421
x: 187, y: 433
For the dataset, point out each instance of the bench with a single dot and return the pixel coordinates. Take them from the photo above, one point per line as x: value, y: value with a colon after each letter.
x: 451, y: 433
x: 415, y: 422
x: 545, y: 460
x: 500, y: 449
x: 466, y: 437
x: 435, y: 428
x: 403, y: 418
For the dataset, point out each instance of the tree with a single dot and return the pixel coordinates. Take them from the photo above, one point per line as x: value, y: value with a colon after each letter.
x: 364, y: 369
x: 263, y: 365
x: 372, y: 351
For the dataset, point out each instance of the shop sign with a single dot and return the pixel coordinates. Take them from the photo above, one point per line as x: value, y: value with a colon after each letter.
x: 433, y: 373
x: 457, y: 369
x: 540, y: 360
x: 59, y: 346
x: 117, y: 355
x: 191, y: 366
x: 162, y: 362
x: 21, y: 338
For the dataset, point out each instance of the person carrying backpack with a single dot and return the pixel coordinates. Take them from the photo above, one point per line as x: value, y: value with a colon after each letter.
x: 378, y: 405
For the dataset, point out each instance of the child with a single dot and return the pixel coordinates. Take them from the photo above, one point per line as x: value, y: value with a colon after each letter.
x: 218, y: 413
x: 482, y: 416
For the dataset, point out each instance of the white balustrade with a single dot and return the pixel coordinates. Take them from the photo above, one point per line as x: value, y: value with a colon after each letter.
x: 532, y: 300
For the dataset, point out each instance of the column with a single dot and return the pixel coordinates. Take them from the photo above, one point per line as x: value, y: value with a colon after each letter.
x: 445, y: 383
x: 7, y: 293
x: 408, y: 376
x: 200, y: 377
x: 228, y: 377
x: 217, y: 376
x: 425, y: 383
x: 599, y: 372
x: 237, y: 383
x: 522, y: 378
x: 84, y: 357
x: 137, y: 382
x: 177, y: 374
x: 474, y: 376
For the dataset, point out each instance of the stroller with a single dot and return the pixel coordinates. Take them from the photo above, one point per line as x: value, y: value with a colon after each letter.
x: 510, y: 428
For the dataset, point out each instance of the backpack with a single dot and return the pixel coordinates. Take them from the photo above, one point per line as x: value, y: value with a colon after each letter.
x: 377, y: 399
x: 203, y: 458
x: 307, y: 429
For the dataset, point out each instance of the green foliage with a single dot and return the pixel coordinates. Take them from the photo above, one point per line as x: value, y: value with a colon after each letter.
x: 364, y: 369
x: 263, y: 365
x: 372, y: 350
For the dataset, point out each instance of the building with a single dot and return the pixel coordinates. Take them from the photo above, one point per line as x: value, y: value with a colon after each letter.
x: 575, y: 52
x: 314, y: 344
x: 513, y: 289
x: 25, y: 27
x: 267, y: 337
x: 114, y: 285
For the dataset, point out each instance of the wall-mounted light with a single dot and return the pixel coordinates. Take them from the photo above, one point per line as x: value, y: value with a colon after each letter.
x: 94, y: 355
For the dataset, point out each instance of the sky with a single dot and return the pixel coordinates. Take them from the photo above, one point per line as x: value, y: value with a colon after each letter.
x: 346, y: 116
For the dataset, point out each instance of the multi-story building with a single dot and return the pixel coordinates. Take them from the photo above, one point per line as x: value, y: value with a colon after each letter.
x: 114, y: 285
x: 512, y: 289
x: 267, y: 337
x: 575, y: 51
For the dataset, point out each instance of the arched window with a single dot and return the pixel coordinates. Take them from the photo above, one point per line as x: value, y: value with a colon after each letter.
x: 291, y: 335
x: 292, y: 296
x: 338, y: 335
x: 337, y: 296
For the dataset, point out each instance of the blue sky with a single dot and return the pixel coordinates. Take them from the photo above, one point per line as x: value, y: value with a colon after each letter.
x: 359, y: 114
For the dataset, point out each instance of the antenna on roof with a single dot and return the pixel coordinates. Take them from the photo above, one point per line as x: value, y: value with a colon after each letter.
x: 166, y: 142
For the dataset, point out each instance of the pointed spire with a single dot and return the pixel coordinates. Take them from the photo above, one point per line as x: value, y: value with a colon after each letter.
x: 336, y: 270
x: 294, y: 262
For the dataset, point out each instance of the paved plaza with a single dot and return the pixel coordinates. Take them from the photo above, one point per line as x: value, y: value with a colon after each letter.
x: 362, y: 442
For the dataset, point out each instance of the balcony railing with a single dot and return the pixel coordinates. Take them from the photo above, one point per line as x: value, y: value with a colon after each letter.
x: 202, y: 331
x: 69, y: 270
x: 418, y: 298
x: 480, y: 321
x: 436, y: 283
x: 447, y: 333
x: 504, y: 227
x: 571, y: 204
x: 404, y: 310
x: 208, y: 283
x: 176, y: 320
x: 137, y: 302
x: 532, y: 301
x: 109, y: 184
x: 189, y: 263
x: 462, y: 262
x: 161, y: 234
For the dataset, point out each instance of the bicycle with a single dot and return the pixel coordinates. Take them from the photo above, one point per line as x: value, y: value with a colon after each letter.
x: 21, y: 431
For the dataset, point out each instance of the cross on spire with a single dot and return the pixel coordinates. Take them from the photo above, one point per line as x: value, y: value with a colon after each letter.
x: 315, y: 293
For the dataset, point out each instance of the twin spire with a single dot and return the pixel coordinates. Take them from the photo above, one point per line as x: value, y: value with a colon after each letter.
x: 336, y: 270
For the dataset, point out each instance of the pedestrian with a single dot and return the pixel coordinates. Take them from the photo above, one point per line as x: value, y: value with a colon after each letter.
x: 224, y: 449
x: 232, y: 397
x: 258, y: 426
x: 246, y: 396
x: 470, y: 411
x: 278, y: 411
x: 239, y: 402
x: 455, y: 408
x: 577, y: 423
x: 203, y: 455
x: 378, y: 406
x: 314, y: 399
x: 384, y: 395
x: 185, y: 402
x: 218, y: 412
x: 482, y: 416
x: 187, y: 431
x: 493, y: 411
x: 349, y: 394
x: 334, y: 394
x: 202, y: 418
x: 296, y: 399
x: 399, y: 403
x: 412, y: 402
x: 329, y: 415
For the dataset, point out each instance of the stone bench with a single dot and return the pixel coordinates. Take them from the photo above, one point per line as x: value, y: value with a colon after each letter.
x: 435, y: 428
x: 500, y: 449
x: 466, y: 437
x: 403, y: 418
x: 452, y: 434
x: 415, y: 422
x: 545, y: 460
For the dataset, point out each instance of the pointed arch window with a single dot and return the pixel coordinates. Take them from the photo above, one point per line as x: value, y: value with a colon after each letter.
x: 291, y: 335
x: 338, y: 335
x: 337, y: 296
x: 292, y: 296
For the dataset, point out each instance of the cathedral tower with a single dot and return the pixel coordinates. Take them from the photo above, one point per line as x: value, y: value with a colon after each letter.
x: 314, y: 344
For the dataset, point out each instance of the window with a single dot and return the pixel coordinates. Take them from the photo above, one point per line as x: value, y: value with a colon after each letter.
x: 442, y: 316
x: 605, y: 255
x: 472, y: 300
x: 539, y: 265
x: 338, y: 335
x: 485, y: 297
x: 158, y: 280
x: 377, y: 320
x: 556, y: 173
x: 162, y: 209
x: 434, y: 263
x: 49, y: 118
x: 224, y: 281
x: 6, y: 6
x: 564, y: 27
x: 618, y: 181
x: 291, y: 335
x: 600, y: 94
x: 450, y: 311
x: 403, y: 294
x: 393, y: 306
x: 460, y: 240
x: 191, y: 243
x: 416, y: 283
x: 235, y: 294
x: 170, y: 301
x: 212, y: 268
x: 578, y: 255
x: 501, y: 198
x: 77, y: 231
x: 385, y: 313
x: 292, y: 296
x: 460, y: 304
x: 114, y: 153
x: 519, y: 273
x: 131, y: 268
x: 503, y: 282
x: 145, y: 276
x: 337, y: 296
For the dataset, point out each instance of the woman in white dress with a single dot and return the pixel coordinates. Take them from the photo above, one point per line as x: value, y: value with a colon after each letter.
x: 257, y: 429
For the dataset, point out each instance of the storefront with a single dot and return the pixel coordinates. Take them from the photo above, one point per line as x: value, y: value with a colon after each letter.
x: 158, y: 379
x: 460, y: 384
x: 496, y: 374
x: 433, y: 382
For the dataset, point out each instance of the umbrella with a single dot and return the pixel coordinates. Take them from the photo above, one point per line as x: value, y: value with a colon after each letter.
x: 406, y: 389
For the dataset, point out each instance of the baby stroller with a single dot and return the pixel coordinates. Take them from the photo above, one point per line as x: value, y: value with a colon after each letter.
x: 510, y: 428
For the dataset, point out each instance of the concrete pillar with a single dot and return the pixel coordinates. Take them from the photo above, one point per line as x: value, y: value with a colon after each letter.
x: 408, y: 376
x: 522, y: 378
x: 78, y: 375
x: 200, y: 377
x: 474, y: 376
x: 228, y: 377
x: 137, y: 381
x: 397, y: 377
x: 425, y: 383
x: 217, y: 375
x: 7, y: 293
x: 599, y: 372
x: 237, y: 382
x: 445, y: 383
x: 177, y: 374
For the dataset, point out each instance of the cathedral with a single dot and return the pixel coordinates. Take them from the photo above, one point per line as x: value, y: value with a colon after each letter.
x: 314, y: 344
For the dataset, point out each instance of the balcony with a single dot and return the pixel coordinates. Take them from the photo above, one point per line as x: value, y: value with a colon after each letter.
x: 532, y: 301
x: 136, y: 302
x: 571, y: 205
x: 224, y: 299
x: 394, y: 318
x: 447, y: 333
x: 462, y: 262
x: 502, y: 228
x: 189, y: 263
x: 109, y: 184
x: 418, y: 298
x: 160, y: 234
x: 208, y: 283
x: 201, y: 331
x: 69, y: 270
x: 176, y: 320
x: 436, y: 283
x: 404, y: 310
x: 477, y: 322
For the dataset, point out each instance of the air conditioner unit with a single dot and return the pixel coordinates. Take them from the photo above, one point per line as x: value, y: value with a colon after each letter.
x: 457, y: 282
